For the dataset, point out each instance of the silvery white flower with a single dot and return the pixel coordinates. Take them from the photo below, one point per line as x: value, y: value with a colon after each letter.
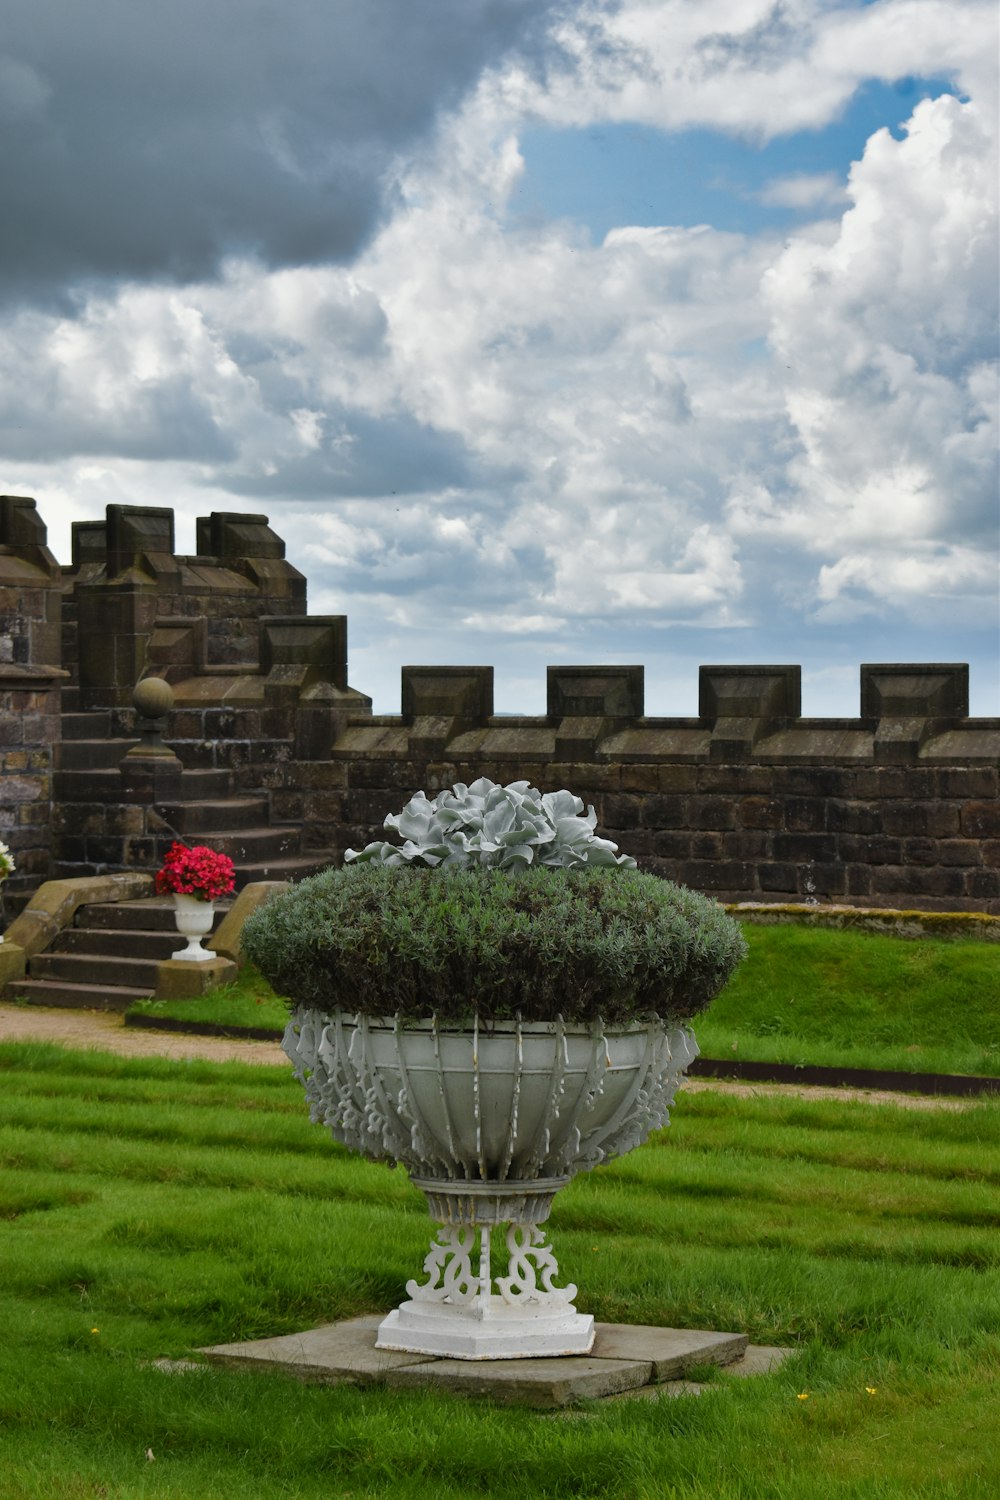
x: 502, y: 826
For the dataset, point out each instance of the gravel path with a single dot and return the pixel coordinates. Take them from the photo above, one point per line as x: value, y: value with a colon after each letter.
x: 106, y: 1032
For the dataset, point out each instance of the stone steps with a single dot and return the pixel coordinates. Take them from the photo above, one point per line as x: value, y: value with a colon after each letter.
x: 63, y: 995
x: 297, y: 868
x: 151, y: 914
x: 219, y: 814
x: 253, y: 846
x: 204, y: 810
x: 112, y: 971
x: 114, y: 942
x: 102, y: 784
x: 108, y: 959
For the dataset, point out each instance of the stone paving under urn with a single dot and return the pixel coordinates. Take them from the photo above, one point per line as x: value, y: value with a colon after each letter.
x: 626, y: 1359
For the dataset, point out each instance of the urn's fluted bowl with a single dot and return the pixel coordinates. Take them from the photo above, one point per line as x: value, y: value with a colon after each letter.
x: 521, y: 1107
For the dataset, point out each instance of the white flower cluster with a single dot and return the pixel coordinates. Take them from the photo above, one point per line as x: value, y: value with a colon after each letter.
x: 7, y: 865
x: 487, y: 824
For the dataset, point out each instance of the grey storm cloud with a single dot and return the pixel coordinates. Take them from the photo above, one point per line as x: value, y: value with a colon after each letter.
x: 149, y: 141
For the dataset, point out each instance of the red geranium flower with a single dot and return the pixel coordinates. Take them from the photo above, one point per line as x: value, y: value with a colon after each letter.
x: 198, y: 871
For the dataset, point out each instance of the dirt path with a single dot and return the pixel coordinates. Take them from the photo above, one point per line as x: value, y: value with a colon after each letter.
x: 106, y: 1032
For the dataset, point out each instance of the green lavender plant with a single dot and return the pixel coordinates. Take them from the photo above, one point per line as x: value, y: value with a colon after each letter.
x: 581, y: 943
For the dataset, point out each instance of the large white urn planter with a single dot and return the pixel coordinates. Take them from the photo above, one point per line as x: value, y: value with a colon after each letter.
x: 509, y: 968
x: 489, y: 1123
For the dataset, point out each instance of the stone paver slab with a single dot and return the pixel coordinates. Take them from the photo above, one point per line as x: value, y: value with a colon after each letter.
x: 759, y: 1359
x: 529, y: 1382
x: 627, y: 1360
x: 671, y: 1352
x: 334, y: 1353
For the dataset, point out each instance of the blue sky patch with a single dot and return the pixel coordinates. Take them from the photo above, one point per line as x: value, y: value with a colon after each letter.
x: 609, y: 175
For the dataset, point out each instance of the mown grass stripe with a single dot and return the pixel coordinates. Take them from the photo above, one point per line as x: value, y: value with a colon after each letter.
x: 165, y: 1220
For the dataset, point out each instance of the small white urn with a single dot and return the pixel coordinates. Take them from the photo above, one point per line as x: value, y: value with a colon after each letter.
x: 194, y: 918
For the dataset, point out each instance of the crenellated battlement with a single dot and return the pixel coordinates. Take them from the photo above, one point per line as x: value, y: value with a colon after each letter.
x: 909, y: 712
x: 747, y: 799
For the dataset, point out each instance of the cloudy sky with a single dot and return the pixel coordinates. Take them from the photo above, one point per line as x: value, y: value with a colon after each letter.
x: 657, y: 331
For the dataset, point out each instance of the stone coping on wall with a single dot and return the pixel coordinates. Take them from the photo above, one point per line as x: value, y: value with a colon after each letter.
x: 893, y: 922
x: 846, y: 743
x: 54, y: 905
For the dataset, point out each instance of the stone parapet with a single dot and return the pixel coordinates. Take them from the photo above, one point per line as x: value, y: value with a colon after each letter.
x: 747, y: 801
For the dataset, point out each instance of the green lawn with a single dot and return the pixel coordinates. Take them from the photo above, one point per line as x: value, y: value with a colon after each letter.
x: 862, y: 1000
x: 148, y: 1207
x: 832, y: 998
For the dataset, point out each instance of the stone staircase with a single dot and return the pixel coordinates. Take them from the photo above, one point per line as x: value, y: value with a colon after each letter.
x: 207, y: 812
x: 107, y: 959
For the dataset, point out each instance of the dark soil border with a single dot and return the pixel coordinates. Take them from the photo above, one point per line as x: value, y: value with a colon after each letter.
x: 203, y: 1028
x: 889, y: 1080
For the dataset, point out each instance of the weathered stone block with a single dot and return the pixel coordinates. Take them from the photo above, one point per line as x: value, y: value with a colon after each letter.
x: 981, y: 819
x: 805, y: 814
x: 969, y: 853
x: 874, y: 849
x: 805, y: 847
x: 638, y: 778
x: 966, y: 782
x: 854, y: 817
x: 905, y: 818
x: 735, y: 780
x: 813, y: 781
x: 760, y: 812
x: 745, y: 692
x: 616, y: 810
x: 711, y: 812
x: 823, y: 881
x: 177, y: 979
x: 634, y: 841
x: 661, y: 811
x: 673, y: 845
x: 717, y: 875
x: 743, y: 845
x: 908, y: 690
x: 605, y: 692
x: 859, y: 880
x: 918, y: 881
x: 678, y: 778
x: 586, y: 780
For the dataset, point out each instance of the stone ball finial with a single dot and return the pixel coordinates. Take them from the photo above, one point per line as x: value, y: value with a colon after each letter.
x: 153, y: 697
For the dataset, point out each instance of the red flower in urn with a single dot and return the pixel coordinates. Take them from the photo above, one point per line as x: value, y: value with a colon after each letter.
x: 198, y: 871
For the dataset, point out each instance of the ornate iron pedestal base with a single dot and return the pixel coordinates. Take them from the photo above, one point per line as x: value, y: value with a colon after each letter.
x: 456, y: 1313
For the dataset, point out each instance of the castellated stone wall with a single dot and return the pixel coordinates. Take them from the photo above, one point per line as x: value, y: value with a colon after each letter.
x: 748, y: 801
x: 125, y: 582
